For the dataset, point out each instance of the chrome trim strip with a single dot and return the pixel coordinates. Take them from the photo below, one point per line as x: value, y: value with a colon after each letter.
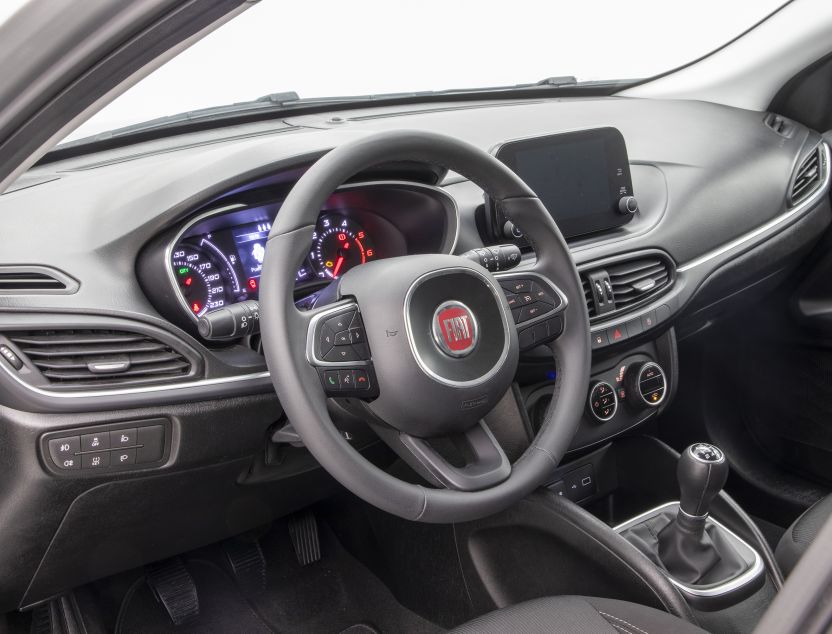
x: 802, y: 206
x: 189, y: 385
x: 754, y: 571
x: 497, y: 291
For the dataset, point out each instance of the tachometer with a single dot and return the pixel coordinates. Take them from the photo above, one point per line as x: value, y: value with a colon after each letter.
x: 339, y: 245
x: 199, y: 279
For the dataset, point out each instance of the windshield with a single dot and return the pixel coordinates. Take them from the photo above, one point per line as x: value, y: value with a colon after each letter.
x: 326, y: 49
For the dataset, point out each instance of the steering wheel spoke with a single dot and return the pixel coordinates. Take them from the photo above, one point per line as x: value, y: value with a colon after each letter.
x: 536, y: 304
x: 469, y: 461
x: 336, y: 346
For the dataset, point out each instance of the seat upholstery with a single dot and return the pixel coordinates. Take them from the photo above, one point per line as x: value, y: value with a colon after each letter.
x: 577, y: 615
x: 797, y: 539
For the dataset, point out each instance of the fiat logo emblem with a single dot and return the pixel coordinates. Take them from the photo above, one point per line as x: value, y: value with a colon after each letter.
x: 455, y: 329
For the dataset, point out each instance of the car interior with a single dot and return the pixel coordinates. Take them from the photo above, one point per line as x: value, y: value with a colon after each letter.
x: 552, y: 358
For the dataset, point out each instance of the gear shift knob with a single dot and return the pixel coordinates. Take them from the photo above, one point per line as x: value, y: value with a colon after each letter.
x: 702, y: 472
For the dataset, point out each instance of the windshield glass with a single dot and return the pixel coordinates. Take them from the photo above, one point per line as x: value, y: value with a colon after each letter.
x: 326, y: 49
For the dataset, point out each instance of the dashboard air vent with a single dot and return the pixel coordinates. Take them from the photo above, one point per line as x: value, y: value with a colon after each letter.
x: 100, y: 358
x: 27, y: 280
x: 779, y: 124
x: 622, y: 285
x: 807, y: 178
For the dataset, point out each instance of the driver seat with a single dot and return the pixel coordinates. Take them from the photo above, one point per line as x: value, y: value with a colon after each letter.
x: 577, y: 615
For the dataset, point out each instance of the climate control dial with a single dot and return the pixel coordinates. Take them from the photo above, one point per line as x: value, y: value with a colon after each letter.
x: 646, y: 384
x: 603, y: 403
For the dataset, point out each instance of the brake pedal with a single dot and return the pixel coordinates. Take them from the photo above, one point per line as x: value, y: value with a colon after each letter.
x: 175, y: 589
x: 248, y: 564
x: 303, y: 529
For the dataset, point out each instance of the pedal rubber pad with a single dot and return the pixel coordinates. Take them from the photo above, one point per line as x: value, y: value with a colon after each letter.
x: 303, y: 529
x: 248, y: 564
x: 175, y: 589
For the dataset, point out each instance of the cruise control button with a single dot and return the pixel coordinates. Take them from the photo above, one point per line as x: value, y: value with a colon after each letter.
x: 517, y: 286
x: 95, y: 442
x: 511, y: 298
x: 63, y: 450
x: 123, y: 438
x: 523, y: 299
x: 341, y: 354
x: 124, y: 456
x: 95, y: 460
x: 526, y: 338
x: 541, y: 295
x: 532, y: 311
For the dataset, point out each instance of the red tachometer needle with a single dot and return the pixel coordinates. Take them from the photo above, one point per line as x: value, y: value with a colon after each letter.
x: 338, y: 264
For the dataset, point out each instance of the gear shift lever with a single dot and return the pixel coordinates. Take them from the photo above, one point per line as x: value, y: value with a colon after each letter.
x: 685, y: 549
x: 702, y: 472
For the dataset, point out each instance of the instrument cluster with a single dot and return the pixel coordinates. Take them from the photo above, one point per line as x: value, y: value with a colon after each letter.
x: 216, y: 267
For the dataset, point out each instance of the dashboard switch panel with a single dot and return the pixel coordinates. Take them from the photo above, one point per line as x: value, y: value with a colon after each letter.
x: 104, y: 448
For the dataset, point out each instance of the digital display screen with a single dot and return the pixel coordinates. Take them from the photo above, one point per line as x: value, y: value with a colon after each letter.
x: 579, y: 177
x: 251, y: 247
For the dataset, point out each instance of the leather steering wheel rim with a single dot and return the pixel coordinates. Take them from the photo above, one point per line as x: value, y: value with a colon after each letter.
x: 297, y: 383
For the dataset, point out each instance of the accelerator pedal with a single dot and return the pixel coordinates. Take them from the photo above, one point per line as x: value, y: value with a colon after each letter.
x: 248, y: 565
x: 303, y: 529
x: 175, y: 589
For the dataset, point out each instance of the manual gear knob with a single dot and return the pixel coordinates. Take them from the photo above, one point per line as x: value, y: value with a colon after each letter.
x: 702, y: 472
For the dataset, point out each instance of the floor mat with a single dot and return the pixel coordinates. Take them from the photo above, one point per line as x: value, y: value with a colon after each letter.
x: 329, y: 596
x: 222, y: 609
x: 336, y: 595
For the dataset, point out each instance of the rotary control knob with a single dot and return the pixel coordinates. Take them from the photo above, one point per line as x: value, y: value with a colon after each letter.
x: 646, y: 384
x: 628, y: 205
x: 603, y: 403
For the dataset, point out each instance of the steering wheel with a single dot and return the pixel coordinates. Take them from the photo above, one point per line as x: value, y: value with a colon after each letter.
x: 433, y: 343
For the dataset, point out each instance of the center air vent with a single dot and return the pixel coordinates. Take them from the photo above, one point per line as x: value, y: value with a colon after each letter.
x: 808, y: 176
x: 624, y: 284
x: 100, y: 358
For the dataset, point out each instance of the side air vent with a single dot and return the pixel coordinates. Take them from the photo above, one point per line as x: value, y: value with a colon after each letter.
x: 779, y: 124
x: 29, y: 280
x: 807, y: 178
x: 100, y: 358
x: 624, y: 284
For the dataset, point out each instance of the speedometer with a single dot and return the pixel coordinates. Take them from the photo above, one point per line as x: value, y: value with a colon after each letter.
x: 199, y: 279
x: 339, y: 245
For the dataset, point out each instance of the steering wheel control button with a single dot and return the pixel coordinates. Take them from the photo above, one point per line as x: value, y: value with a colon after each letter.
x: 357, y: 335
x: 331, y: 382
x: 63, y: 450
x: 342, y: 338
x: 362, y: 380
x: 603, y: 402
x: 341, y: 322
x: 97, y: 460
x: 341, y: 354
x: 347, y: 379
x: 533, y: 311
x: 123, y: 438
x: 455, y: 329
x: 95, y: 442
x: 517, y: 286
x: 541, y: 295
x: 9, y: 355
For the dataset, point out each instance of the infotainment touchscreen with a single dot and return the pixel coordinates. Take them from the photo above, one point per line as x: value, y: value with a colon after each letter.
x: 581, y: 177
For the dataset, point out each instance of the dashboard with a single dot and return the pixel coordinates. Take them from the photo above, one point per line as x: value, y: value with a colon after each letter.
x: 134, y: 244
